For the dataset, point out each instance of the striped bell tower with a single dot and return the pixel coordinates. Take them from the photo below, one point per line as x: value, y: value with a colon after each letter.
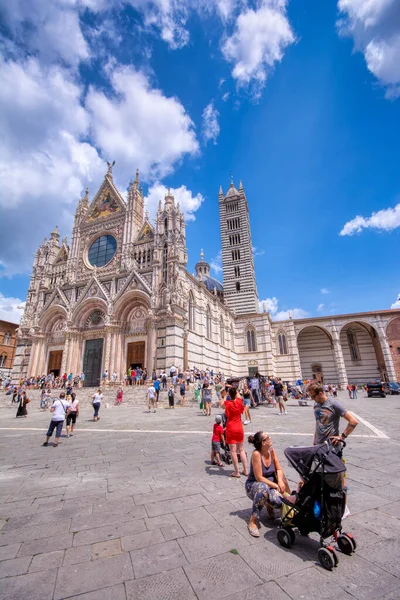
x: 240, y: 288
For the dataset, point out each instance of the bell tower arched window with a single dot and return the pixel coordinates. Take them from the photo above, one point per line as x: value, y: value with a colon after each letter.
x: 251, y: 341
x: 282, y: 344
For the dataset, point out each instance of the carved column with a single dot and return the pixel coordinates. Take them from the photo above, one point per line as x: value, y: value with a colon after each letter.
x: 64, y: 361
x: 107, y: 352
x: 339, y: 359
x: 151, y: 346
x: 37, y: 362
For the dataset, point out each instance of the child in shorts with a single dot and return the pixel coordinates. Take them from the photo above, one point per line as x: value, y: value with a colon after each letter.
x: 217, y: 437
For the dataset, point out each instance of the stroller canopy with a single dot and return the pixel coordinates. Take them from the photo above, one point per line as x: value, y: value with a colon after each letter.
x: 304, y: 458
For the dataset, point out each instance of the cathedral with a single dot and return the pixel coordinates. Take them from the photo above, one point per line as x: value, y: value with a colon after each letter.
x: 120, y: 295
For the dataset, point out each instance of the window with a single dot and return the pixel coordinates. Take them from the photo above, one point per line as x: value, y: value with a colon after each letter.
x: 3, y: 358
x: 209, y: 324
x: 238, y: 286
x: 282, y: 343
x: 353, y: 345
x: 237, y: 271
x: 192, y: 313
x: 251, y: 340
x: 7, y: 338
x: 166, y: 225
x: 222, y: 332
x: 102, y: 250
x: 164, y: 266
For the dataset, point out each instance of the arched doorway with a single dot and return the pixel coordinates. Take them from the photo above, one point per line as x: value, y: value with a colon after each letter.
x: 393, y: 337
x: 317, y: 359
x: 362, y: 353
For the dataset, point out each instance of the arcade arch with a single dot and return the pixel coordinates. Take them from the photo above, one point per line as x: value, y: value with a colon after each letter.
x: 362, y: 352
x: 316, y: 354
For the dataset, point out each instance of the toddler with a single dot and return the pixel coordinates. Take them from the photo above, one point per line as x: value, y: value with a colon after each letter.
x: 217, y: 437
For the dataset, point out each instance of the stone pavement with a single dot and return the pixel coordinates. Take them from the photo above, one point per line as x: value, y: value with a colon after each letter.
x: 130, y: 508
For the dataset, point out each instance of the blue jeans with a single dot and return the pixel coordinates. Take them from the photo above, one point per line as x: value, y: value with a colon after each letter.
x: 96, y: 407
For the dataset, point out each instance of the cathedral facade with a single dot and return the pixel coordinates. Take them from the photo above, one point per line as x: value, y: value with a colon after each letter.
x: 120, y: 295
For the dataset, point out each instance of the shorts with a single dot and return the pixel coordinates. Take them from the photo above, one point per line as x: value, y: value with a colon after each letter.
x: 216, y: 446
x: 280, y: 400
x: 246, y: 402
x: 71, y: 418
x: 58, y: 425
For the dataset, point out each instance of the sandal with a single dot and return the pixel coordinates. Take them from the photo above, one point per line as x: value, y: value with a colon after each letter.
x: 237, y: 475
x: 213, y: 462
x: 55, y: 445
x: 220, y: 464
x: 253, y: 530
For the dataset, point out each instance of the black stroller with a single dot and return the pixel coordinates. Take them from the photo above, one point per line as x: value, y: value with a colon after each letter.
x: 226, y: 455
x: 320, y: 503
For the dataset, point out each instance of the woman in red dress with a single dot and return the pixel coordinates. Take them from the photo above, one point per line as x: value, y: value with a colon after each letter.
x: 234, y: 430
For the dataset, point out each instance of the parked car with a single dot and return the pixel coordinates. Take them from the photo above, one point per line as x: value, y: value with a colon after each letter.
x: 392, y: 388
x: 376, y: 389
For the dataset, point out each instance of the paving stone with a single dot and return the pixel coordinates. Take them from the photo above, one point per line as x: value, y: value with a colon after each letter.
x: 35, y: 586
x: 162, y: 521
x: 269, y: 560
x: 57, y: 542
x: 9, y: 551
x: 34, y: 533
x: 115, y: 592
x: 14, y: 566
x: 157, y: 558
x: 220, y: 577
x: 107, y: 518
x: 76, y: 555
x: 210, y: 543
x: 313, y: 583
x: 47, y: 560
x: 100, y: 534
x: 362, y: 579
x: 384, y: 554
x: 267, y: 591
x: 380, y: 523
x: 142, y: 540
x: 195, y: 520
x: 175, y: 505
x: 105, y: 549
x: 172, y: 585
x: 172, y: 532
x: 88, y: 577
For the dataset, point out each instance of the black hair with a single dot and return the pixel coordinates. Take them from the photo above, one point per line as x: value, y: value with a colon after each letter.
x: 256, y: 440
x: 73, y: 396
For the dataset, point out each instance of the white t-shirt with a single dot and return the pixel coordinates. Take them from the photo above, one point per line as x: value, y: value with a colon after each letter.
x: 151, y: 392
x: 60, y: 408
x: 97, y: 398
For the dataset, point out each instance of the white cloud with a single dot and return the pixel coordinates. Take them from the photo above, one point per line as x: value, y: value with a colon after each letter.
x: 397, y: 303
x: 320, y: 307
x: 210, y: 123
x: 257, y: 252
x: 139, y: 126
x: 374, y: 25
x: 258, y: 42
x: 225, y: 97
x: 11, y: 309
x: 187, y: 201
x: 383, y: 220
x: 324, y: 291
x: 216, y: 263
x: 272, y: 305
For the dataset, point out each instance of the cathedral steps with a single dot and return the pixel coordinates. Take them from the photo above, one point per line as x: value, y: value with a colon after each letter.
x: 135, y: 396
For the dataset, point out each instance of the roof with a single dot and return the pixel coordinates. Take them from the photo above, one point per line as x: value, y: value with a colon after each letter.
x: 212, y: 283
x: 232, y: 191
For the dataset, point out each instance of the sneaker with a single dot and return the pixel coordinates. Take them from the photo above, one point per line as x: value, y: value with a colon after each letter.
x: 285, y: 412
x: 45, y: 444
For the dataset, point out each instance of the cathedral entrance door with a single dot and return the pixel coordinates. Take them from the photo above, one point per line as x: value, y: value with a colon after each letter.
x: 317, y: 373
x: 135, y: 355
x: 92, y: 360
x: 54, y: 364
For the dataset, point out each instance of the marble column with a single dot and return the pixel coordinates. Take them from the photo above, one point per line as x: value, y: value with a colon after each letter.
x: 339, y: 359
x: 387, y: 355
x: 151, y: 347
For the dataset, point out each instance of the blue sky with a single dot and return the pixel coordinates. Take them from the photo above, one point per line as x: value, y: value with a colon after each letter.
x: 300, y: 101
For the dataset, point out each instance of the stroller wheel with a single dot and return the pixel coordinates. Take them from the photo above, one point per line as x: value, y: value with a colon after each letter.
x: 334, y: 554
x: 346, y: 543
x: 286, y: 537
x: 326, y: 558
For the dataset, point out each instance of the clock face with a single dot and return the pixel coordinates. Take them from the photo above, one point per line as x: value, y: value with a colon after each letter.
x: 102, y: 250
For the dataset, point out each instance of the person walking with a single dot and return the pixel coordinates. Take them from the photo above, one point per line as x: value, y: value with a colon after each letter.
x: 120, y: 395
x: 217, y: 438
x: 59, y: 410
x: 83, y: 379
x: 247, y: 400
x: 72, y: 415
x: 157, y: 386
x: 235, y: 431
x: 171, y: 396
x: 96, y: 401
x: 278, y: 389
x: 182, y: 391
x: 206, y: 397
x: 151, y: 398
x: 23, y: 402
x: 328, y: 412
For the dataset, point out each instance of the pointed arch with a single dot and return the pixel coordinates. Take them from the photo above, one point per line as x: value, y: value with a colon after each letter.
x: 251, y: 339
x: 192, y: 312
x: 282, y: 343
x: 208, y: 323
x: 3, y: 359
x: 7, y: 338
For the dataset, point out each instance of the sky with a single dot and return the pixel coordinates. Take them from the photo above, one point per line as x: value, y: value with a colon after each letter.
x: 298, y: 100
